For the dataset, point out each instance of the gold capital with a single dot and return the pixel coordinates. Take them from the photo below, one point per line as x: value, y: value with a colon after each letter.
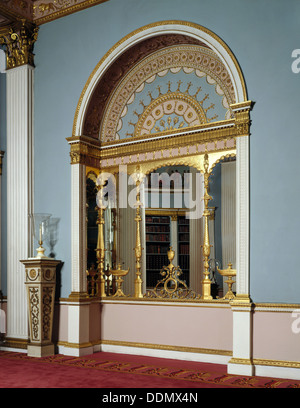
x: 19, y: 44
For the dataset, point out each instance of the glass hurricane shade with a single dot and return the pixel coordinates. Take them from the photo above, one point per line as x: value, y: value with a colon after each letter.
x: 41, y: 227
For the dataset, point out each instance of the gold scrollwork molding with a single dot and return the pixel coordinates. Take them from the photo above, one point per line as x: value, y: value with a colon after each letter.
x: 19, y: 44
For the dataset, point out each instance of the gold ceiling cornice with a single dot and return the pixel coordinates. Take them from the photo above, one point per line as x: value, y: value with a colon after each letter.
x: 45, y: 11
x: 40, y: 11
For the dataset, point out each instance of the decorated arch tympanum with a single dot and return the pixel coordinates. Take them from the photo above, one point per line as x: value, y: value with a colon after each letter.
x: 169, y: 93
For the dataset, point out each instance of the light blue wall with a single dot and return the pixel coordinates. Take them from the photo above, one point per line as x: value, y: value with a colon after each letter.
x: 262, y: 35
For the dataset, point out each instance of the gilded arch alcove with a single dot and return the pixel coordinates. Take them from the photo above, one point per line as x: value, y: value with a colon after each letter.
x: 167, y: 93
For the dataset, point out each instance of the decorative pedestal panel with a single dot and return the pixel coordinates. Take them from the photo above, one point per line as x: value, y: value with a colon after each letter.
x: 40, y: 284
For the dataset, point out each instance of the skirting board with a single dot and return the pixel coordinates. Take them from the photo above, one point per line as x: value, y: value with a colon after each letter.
x: 273, y: 371
x: 175, y: 355
x: 277, y: 372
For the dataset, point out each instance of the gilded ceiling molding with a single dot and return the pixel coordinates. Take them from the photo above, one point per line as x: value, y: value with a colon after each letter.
x: 19, y: 45
x: 16, y: 9
x: 45, y: 11
x: 42, y: 11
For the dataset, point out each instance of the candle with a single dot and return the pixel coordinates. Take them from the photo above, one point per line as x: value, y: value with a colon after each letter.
x: 40, y: 242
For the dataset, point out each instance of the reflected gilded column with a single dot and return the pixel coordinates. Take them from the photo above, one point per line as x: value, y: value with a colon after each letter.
x: 206, y: 283
x: 138, y: 246
x: 100, y: 251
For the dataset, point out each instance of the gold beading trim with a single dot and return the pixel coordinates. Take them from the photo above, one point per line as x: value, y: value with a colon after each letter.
x: 276, y: 363
x: 64, y: 11
x: 245, y: 361
x: 183, y: 349
x: 265, y: 362
x: 77, y: 345
x: 16, y: 343
x: 166, y: 302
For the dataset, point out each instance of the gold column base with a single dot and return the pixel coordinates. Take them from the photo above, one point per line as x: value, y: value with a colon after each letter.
x: 206, y: 290
x: 138, y: 288
x: 101, y: 287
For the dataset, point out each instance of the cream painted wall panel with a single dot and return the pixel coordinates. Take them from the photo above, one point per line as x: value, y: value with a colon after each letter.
x: 168, y: 325
x: 274, y: 337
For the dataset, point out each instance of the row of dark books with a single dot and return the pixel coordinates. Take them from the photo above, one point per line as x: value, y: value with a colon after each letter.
x: 183, y: 221
x: 152, y: 278
x: 157, y: 249
x: 184, y: 237
x: 157, y: 220
x: 183, y: 228
x: 156, y: 262
x: 157, y: 228
x: 158, y: 237
x: 184, y: 262
x: 184, y: 249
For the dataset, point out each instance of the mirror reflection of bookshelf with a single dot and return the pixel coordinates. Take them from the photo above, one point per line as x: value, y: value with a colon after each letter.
x: 184, y: 248
x: 157, y: 245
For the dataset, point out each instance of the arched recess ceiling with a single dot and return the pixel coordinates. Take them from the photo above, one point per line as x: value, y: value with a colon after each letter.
x: 165, y: 82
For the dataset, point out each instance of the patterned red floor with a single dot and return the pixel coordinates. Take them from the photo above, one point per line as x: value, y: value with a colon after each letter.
x: 108, y: 370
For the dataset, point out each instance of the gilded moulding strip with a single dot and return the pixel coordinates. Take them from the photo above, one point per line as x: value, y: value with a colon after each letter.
x: 183, y: 349
x: 65, y: 11
x: 215, y: 136
x: 265, y: 362
x: 177, y: 302
x: 219, y: 136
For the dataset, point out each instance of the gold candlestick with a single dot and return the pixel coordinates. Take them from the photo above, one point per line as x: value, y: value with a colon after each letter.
x: 119, y: 274
x: 138, y: 246
x: 100, y: 251
x: 228, y: 273
x: 206, y: 283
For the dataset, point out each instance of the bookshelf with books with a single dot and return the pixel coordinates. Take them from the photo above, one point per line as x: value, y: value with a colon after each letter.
x: 157, y: 245
x: 184, y: 247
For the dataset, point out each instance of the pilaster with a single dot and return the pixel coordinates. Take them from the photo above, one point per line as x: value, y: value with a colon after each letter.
x: 241, y: 362
x: 1, y: 156
x: 19, y: 193
x: 78, y: 232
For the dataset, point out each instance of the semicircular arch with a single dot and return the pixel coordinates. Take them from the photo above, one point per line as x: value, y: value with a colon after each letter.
x: 196, y: 33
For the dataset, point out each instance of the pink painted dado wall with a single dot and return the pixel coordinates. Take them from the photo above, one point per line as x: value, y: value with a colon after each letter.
x: 181, y: 325
x: 276, y: 335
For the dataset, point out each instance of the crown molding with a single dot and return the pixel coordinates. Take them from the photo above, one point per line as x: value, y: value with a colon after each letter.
x: 41, y: 11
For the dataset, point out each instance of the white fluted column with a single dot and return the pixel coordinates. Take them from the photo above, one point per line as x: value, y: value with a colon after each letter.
x: 126, y: 254
x: 241, y: 361
x: 78, y: 229
x: 1, y: 156
x: 19, y: 157
x: 78, y: 308
x: 242, y: 215
x: 228, y: 216
x: 196, y: 235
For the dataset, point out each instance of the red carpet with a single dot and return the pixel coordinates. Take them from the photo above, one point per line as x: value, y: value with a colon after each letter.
x: 107, y: 370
